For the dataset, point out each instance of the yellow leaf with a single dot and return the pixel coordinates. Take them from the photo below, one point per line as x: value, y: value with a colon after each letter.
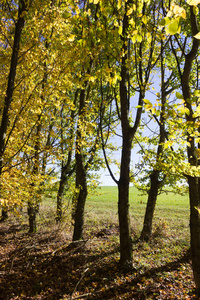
x: 132, y: 22
x: 119, y: 5
x: 120, y: 30
x: 71, y: 38
x: 129, y: 12
x: 139, y: 38
x: 147, y: 101
x: 144, y: 19
x: 198, y: 152
x: 116, y: 24
x: 179, y: 11
x: 195, y: 10
x: 193, y: 2
x: 92, y: 79
x: 197, y: 36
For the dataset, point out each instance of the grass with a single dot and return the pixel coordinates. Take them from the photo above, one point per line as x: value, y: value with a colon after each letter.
x: 47, y: 265
x: 171, y: 210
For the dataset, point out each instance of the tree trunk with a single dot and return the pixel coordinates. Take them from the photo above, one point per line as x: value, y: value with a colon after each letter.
x: 32, y: 217
x: 154, y: 182
x: 195, y: 229
x: 59, y: 211
x: 193, y: 182
x: 151, y: 203
x: 81, y: 184
x: 33, y: 204
x: 126, y: 254
x: 81, y: 176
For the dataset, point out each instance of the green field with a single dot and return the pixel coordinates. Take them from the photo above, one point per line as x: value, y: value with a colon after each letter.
x: 171, y: 210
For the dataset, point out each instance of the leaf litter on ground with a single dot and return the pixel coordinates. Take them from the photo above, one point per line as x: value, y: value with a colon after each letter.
x: 47, y: 265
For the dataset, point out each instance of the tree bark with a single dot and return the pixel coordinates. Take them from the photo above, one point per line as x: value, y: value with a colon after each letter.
x: 32, y: 211
x: 33, y: 204
x: 59, y: 210
x: 193, y: 183
x: 81, y: 185
x: 126, y: 254
x: 151, y: 203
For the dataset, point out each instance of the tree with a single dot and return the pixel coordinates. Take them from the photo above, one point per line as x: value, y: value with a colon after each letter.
x: 19, y: 25
x: 193, y: 181
x: 189, y: 49
x: 136, y: 61
x: 158, y: 173
x: 154, y: 176
x: 67, y: 149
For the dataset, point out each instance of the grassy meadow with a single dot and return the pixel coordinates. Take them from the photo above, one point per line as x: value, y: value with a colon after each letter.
x: 46, y: 265
x: 172, y: 210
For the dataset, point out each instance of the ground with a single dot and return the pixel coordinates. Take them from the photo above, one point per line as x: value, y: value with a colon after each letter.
x: 46, y: 265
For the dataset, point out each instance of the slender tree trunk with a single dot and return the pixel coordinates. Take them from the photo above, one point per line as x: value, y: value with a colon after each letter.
x: 194, y: 196
x: 11, y: 80
x: 32, y: 211
x: 151, y: 203
x: 123, y: 204
x: 154, y: 181
x: 33, y: 204
x: 193, y: 182
x: 195, y: 229
x: 81, y: 199
x: 59, y: 211
x: 123, y: 183
x: 81, y: 177
x: 66, y: 168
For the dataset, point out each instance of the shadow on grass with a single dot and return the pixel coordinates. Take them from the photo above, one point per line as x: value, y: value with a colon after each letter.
x: 38, y: 267
x: 45, y: 266
x: 131, y: 286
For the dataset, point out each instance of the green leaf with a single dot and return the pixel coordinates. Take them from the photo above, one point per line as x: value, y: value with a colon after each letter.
x: 179, y: 96
x: 147, y: 101
x: 184, y: 110
x: 173, y: 27
x: 162, y: 22
x: 167, y: 20
x: 66, y: 15
x: 197, y: 93
x: 195, y: 10
x: 187, y: 111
